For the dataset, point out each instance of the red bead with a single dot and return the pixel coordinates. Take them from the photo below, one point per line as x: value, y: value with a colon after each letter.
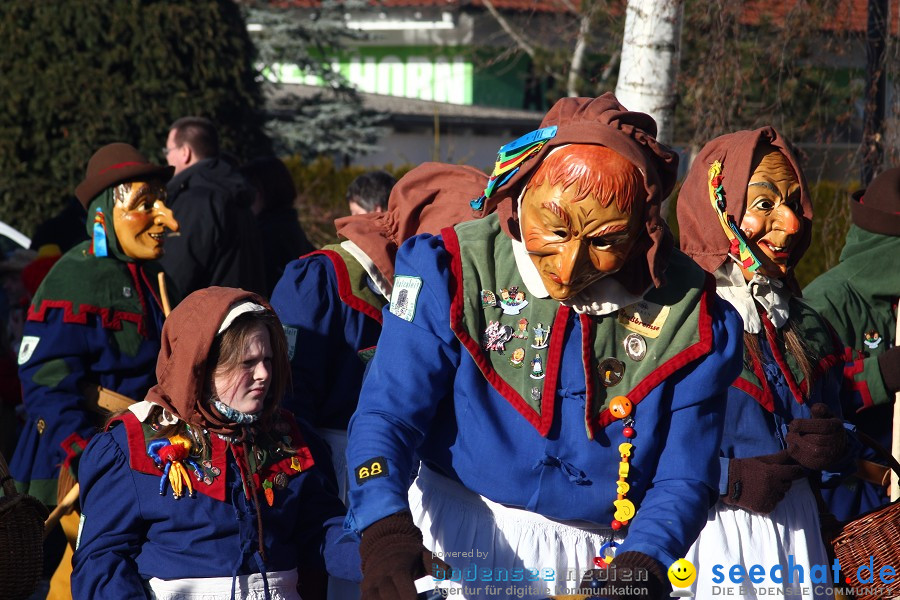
x: 616, y: 525
x: 628, y: 432
x: 599, y: 562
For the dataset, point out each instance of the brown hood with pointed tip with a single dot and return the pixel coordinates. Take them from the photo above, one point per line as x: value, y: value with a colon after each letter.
x: 700, y: 234
x: 429, y: 198
x: 605, y: 122
x: 182, y: 369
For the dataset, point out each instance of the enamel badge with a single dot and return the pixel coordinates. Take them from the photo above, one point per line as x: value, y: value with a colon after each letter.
x: 522, y: 329
x: 517, y: 359
x: 611, y: 371
x: 512, y: 300
x: 635, y: 346
x: 872, y: 339
x: 537, y: 367
x: 488, y: 299
x: 541, y: 336
x: 496, y: 336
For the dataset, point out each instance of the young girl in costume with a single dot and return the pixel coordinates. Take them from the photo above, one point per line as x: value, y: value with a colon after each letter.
x: 744, y: 214
x: 206, y: 488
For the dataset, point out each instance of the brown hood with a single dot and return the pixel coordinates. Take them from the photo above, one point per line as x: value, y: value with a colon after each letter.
x: 605, y: 122
x: 427, y: 199
x: 182, y: 369
x: 701, y: 236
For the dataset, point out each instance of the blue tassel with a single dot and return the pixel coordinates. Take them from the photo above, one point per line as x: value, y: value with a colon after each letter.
x: 99, y: 240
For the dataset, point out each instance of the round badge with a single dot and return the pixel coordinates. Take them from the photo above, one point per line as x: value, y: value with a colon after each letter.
x: 281, y: 481
x: 635, y: 346
x: 611, y: 371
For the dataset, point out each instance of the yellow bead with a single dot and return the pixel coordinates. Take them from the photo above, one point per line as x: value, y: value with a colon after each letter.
x: 624, y: 510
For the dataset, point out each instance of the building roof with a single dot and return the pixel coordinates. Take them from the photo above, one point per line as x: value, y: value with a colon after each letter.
x: 848, y: 16
x: 552, y: 6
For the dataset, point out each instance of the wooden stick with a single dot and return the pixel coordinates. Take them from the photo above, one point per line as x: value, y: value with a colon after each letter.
x: 163, y: 294
x: 895, y: 431
x: 62, y: 509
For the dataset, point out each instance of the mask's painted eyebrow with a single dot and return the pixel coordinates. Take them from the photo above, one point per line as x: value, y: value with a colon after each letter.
x: 556, y: 210
x: 613, y: 229
x: 766, y: 185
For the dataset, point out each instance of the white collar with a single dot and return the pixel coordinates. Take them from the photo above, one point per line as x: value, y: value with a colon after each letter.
x: 745, y: 296
x: 374, y: 274
x: 142, y: 410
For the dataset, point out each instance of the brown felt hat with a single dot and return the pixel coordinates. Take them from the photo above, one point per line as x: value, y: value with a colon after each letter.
x: 877, y: 208
x: 117, y: 163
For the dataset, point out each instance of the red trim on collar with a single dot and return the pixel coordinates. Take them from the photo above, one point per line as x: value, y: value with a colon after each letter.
x: 284, y: 465
x: 541, y: 421
x: 141, y: 462
x: 109, y: 318
x: 686, y: 356
x: 345, y: 289
x: 779, y: 358
x: 761, y: 393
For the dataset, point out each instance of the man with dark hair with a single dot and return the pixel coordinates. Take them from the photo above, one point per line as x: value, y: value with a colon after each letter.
x: 369, y: 192
x: 191, y: 139
x: 219, y: 242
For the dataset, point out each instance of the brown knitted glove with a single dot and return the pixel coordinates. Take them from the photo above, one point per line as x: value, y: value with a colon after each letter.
x: 819, y: 442
x: 622, y: 575
x: 393, y: 557
x: 759, y: 483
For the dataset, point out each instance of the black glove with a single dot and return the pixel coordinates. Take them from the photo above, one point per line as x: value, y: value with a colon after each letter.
x: 759, y: 483
x: 819, y: 442
x: 889, y: 364
x: 393, y: 557
x: 622, y: 573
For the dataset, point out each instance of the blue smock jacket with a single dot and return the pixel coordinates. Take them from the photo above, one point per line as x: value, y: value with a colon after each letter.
x: 425, y: 393
x: 328, y: 325
x: 130, y: 533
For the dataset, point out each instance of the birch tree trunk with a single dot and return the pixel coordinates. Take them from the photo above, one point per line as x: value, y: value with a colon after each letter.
x: 651, y: 50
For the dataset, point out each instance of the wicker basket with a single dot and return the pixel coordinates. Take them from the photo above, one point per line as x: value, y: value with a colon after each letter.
x: 21, y: 539
x: 872, y: 536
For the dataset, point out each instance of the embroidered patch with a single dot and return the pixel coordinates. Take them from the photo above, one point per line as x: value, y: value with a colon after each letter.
x: 405, y: 295
x: 29, y: 343
x: 644, y: 317
x: 291, y: 334
x: 371, y: 469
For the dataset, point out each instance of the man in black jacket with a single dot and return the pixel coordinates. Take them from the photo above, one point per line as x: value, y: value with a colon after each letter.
x: 218, y: 243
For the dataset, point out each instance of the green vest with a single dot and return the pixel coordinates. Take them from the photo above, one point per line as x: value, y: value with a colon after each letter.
x: 628, y: 352
x: 353, y: 288
x: 820, y: 341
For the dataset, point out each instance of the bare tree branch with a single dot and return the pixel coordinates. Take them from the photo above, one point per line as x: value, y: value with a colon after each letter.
x: 501, y: 20
x: 518, y: 39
